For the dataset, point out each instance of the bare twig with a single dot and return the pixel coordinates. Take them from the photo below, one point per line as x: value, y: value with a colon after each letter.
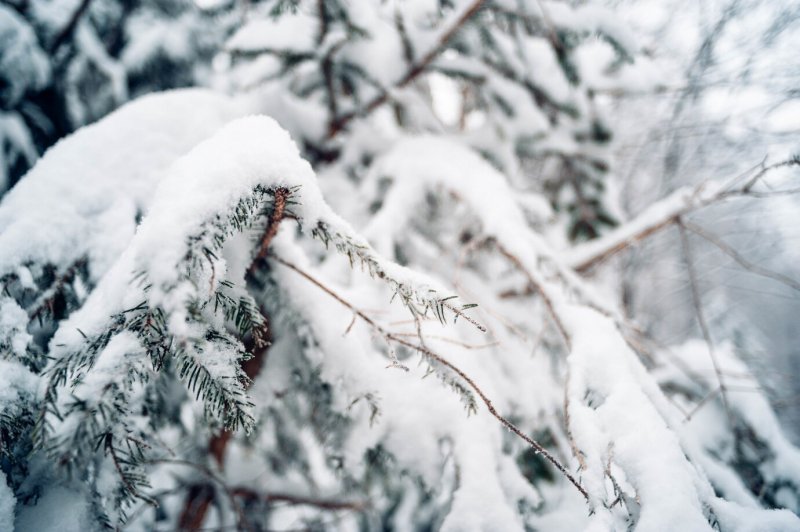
x: 709, y: 396
x: 547, y: 302
x: 738, y: 257
x: 567, y: 424
x: 451, y: 341
x: 537, y: 447
x: 701, y: 320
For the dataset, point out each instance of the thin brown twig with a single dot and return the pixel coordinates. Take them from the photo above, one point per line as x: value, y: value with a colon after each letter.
x: 537, y: 447
x: 568, y: 426
x: 701, y: 319
x: 709, y: 396
x: 470, y: 247
x: 739, y: 258
x: 452, y: 341
x: 547, y: 301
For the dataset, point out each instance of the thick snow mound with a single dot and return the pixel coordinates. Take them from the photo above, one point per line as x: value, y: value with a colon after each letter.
x: 83, y: 197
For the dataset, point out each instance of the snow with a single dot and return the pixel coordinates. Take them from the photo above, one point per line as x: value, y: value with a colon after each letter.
x: 149, y: 36
x: 244, y: 154
x: 46, y: 219
x: 651, y: 456
x: 738, y: 519
x: 785, y: 118
x: 418, y: 164
x: 591, y: 18
x: 382, y: 53
x: 58, y: 509
x: 17, y: 383
x: 292, y: 32
x: 13, y: 326
x: 410, y: 406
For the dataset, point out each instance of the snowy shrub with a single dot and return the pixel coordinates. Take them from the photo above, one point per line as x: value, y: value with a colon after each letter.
x: 367, y: 312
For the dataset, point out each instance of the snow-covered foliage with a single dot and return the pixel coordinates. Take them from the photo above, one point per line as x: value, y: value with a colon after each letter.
x: 207, y: 324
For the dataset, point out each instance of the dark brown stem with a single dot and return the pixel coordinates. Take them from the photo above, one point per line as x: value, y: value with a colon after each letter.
x: 278, y: 208
x: 200, y: 497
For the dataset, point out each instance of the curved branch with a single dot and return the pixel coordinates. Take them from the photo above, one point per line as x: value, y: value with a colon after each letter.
x: 537, y: 447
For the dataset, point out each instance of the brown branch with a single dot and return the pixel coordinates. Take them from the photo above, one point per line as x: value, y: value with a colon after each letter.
x: 695, y: 202
x: 411, y: 74
x: 198, y: 500
x: 606, y: 254
x: 547, y: 302
x: 537, y: 447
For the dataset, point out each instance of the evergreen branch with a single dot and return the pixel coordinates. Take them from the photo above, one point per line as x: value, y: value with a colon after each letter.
x: 409, y: 295
x: 223, y: 393
x: 47, y: 298
x: 197, y: 501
